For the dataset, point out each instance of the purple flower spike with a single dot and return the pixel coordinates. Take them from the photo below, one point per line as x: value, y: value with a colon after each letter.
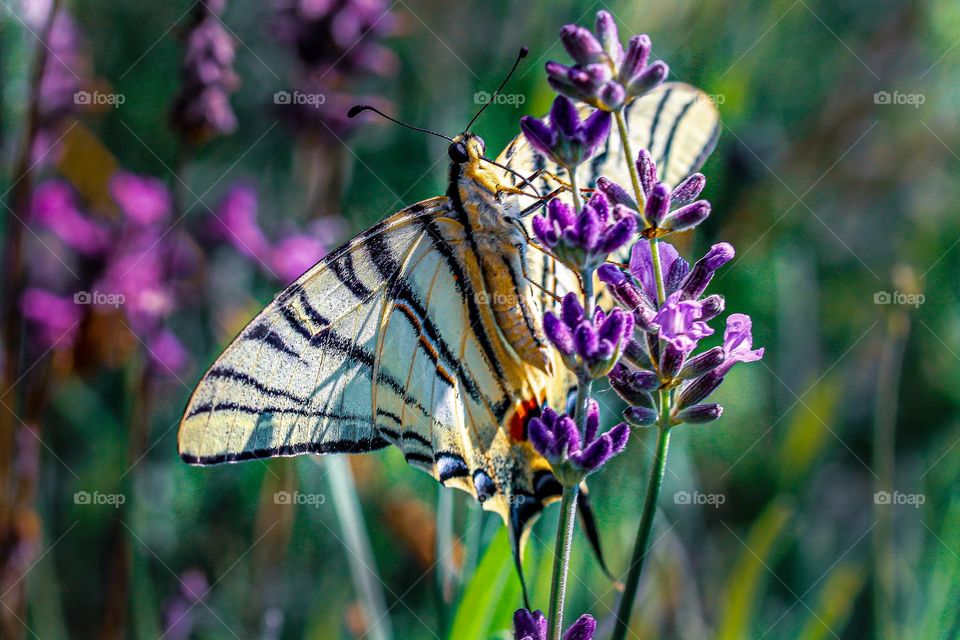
x: 54, y: 207
x: 572, y: 456
x: 680, y: 323
x: 702, y: 273
x: 584, y: 241
x: 566, y: 139
x: 604, y: 75
x: 142, y: 199
x: 596, y: 344
x: 669, y: 211
x: 532, y: 625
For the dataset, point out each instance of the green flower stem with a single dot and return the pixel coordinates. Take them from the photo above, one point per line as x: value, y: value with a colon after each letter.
x: 561, y: 559
x: 574, y: 189
x: 642, y: 543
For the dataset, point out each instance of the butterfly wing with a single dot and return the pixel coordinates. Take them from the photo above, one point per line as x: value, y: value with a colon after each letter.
x: 385, y: 341
x: 677, y: 123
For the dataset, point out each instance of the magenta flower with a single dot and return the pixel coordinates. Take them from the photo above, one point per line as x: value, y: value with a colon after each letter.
x: 56, y: 319
x: 680, y: 323
x: 583, y: 241
x: 573, y: 455
x: 54, y: 206
x: 143, y: 199
x: 564, y: 138
x: 168, y: 352
x: 292, y: 256
x: 532, y: 625
x: 236, y: 222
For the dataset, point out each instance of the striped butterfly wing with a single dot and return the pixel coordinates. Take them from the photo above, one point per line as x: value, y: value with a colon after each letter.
x: 385, y: 341
x: 677, y: 123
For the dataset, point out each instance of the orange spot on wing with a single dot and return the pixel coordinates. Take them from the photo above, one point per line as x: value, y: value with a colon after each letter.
x: 529, y: 408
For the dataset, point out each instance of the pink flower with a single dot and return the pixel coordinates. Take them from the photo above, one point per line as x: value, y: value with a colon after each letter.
x: 292, y: 256
x: 54, y: 206
x: 56, y: 318
x: 143, y: 199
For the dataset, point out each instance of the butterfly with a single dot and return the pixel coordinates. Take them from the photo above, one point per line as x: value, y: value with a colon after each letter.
x: 423, y: 332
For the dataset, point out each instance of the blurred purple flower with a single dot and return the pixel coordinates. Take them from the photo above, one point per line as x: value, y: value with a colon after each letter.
x: 604, y: 75
x: 66, y: 70
x: 532, y: 625
x: 583, y: 241
x: 57, y: 319
x: 168, y: 352
x: 178, y: 615
x: 54, y: 206
x: 143, y: 199
x: 292, y: 256
x: 236, y: 223
x: 202, y: 109
x: 564, y: 138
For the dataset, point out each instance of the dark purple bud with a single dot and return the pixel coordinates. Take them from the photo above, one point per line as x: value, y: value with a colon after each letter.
x: 617, y: 327
x: 711, y: 307
x: 598, y: 452
x: 612, y: 275
x: 582, y: 46
x: 658, y: 204
x: 561, y: 212
x: 701, y: 364
x: 634, y: 389
x: 566, y: 437
x: 541, y: 437
x: 589, y: 229
x: 606, y: 30
x: 593, y: 420
x: 695, y: 391
x: 601, y: 205
x: 618, y: 236
x: 647, y: 169
x: 638, y: 52
x: 636, y: 354
x: 544, y: 231
x: 558, y: 333
x: 648, y: 78
x: 687, y: 217
x: 557, y: 72
x: 540, y: 135
x: 640, y: 416
x: 564, y: 117
x: 671, y: 362
x: 612, y: 96
x: 700, y: 413
x: 529, y: 624
x: 596, y: 128
x: 688, y: 190
x: 615, y: 193
x: 702, y: 273
x: 586, y: 340
x: 571, y: 311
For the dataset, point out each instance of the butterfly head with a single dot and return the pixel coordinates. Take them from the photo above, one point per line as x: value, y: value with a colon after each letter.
x: 466, y: 148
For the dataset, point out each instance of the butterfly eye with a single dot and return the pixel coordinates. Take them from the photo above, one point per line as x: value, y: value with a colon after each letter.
x: 458, y: 152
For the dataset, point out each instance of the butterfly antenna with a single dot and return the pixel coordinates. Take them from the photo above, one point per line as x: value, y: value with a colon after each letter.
x: 520, y: 56
x: 357, y: 109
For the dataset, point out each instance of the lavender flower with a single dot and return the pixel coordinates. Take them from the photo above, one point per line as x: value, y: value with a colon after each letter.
x: 669, y: 210
x: 564, y: 138
x: 590, y: 346
x: 532, y: 625
x: 56, y: 318
x: 143, y: 199
x: 574, y: 456
x: 680, y: 323
x: 54, y: 206
x: 202, y: 110
x: 583, y: 241
x: 604, y: 75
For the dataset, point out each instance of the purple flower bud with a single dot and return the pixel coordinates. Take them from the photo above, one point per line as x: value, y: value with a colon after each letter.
x: 647, y: 169
x: 687, y: 217
x: 582, y: 629
x: 671, y: 361
x: 571, y: 311
x: 558, y: 333
x: 688, y: 190
x: 616, y: 327
x: 700, y: 413
x: 648, y: 78
x: 711, y: 307
x: 640, y: 416
x: 544, y: 231
x: 612, y: 275
x: 596, y: 128
x: 633, y: 386
x: 702, y: 273
x: 564, y: 118
x: 566, y: 139
x: 586, y: 340
x: 612, y: 96
x: 566, y: 438
x: 580, y: 44
x: 606, y: 30
x: 593, y: 420
x: 638, y: 52
x: 702, y: 364
x: 540, y: 135
x: 529, y: 624
x: 594, y: 454
x: 636, y: 354
x: 619, y: 235
x: 589, y: 228
x: 562, y: 213
x: 616, y: 194
x: 693, y: 392
x: 658, y: 204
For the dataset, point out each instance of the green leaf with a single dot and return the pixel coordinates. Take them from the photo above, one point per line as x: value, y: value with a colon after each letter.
x: 480, y: 611
x: 834, y: 603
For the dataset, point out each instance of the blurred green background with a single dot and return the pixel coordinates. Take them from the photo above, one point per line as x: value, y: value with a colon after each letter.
x: 830, y: 192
